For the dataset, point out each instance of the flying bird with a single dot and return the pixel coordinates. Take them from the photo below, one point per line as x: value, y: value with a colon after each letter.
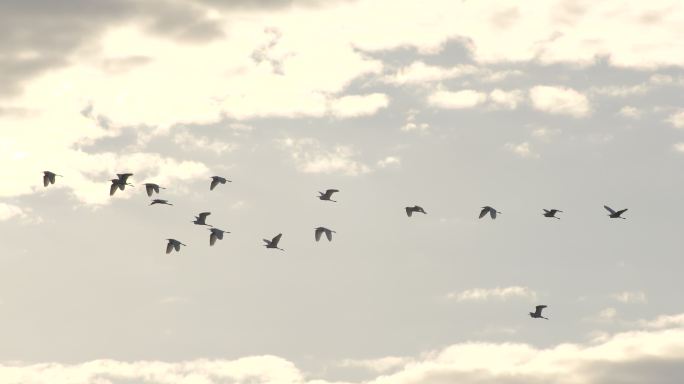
x: 152, y: 188
x: 551, y: 213
x: 201, y: 219
x: 118, y: 184
x: 322, y: 230
x: 327, y: 195
x: 415, y: 208
x: 273, y: 243
x: 615, y: 215
x: 215, y: 180
x: 49, y: 178
x: 537, y: 314
x: 124, y: 177
x: 487, y: 209
x: 173, y: 244
x: 215, y: 234
x: 160, y: 201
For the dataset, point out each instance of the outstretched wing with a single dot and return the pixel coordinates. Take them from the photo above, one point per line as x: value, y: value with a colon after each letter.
x: 276, y: 239
x: 319, y: 231
x: 169, y: 247
x: 212, y: 238
x: 177, y: 246
x: 149, y: 188
x: 124, y: 176
x: 46, y: 180
x: 203, y: 215
x: 483, y: 212
x: 538, y: 309
x: 156, y: 188
x: 214, y: 183
x: 113, y: 188
x: 52, y: 177
x: 547, y: 211
x: 328, y: 234
x: 620, y: 212
x: 492, y: 213
x: 609, y: 209
x: 409, y: 211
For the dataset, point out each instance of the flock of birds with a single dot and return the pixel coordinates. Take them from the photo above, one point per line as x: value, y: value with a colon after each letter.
x: 121, y: 182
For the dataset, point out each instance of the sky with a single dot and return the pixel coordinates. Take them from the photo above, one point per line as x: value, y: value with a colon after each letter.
x: 449, y: 105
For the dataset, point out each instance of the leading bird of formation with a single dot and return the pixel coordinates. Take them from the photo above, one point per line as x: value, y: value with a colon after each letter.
x: 121, y: 182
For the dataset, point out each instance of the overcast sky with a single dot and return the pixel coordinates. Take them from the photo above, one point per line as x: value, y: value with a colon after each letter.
x: 449, y: 105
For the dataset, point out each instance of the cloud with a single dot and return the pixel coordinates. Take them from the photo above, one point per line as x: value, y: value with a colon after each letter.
x: 677, y: 119
x: 560, y: 101
x: 466, y: 98
x: 310, y: 156
x: 679, y: 147
x: 9, y: 211
x: 483, y: 294
x: 188, y: 141
x: 630, y: 297
x: 653, y: 352
x: 380, y: 365
x: 506, y: 99
x: 620, y: 91
x: 412, y: 125
x: 358, y: 105
x: 523, y: 150
x: 389, y: 161
x: 418, y: 73
x: 630, y: 112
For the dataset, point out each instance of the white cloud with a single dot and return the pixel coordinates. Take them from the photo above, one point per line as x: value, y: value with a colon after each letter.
x: 559, y: 100
x: 412, y: 125
x: 418, y: 73
x: 630, y: 112
x: 679, y: 147
x: 358, y: 105
x: 466, y: 98
x: 651, y: 353
x: 9, y: 211
x: 677, y: 119
x: 310, y: 156
x: 620, y: 91
x: 630, y: 297
x: 188, y: 141
x: 389, y: 161
x: 379, y: 365
x: 523, y: 150
x: 483, y: 294
x: 506, y: 99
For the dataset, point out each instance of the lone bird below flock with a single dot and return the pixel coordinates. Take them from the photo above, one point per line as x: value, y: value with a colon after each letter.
x: 327, y: 195
x: 215, y: 180
x: 173, y: 244
x: 202, y: 218
x: 120, y: 182
x: 273, y: 243
x: 415, y: 208
x: 322, y: 230
x: 615, y: 215
x: 487, y: 209
x: 537, y: 314
x: 551, y: 213
x: 160, y: 201
x: 216, y: 234
x: 49, y: 178
x: 152, y: 188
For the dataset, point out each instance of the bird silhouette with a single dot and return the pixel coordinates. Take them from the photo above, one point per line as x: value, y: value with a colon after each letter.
x: 215, y: 180
x: 201, y: 219
x: 551, y: 213
x: 273, y: 243
x: 215, y: 234
x: 49, y: 178
x: 615, y: 215
x: 173, y: 244
x: 322, y: 230
x: 119, y: 183
x: 487, y: 209
x: 415, y: 208
x: 537, y: 314
x: 160, y: 201
x: 327, y: 195
x: 151, y: 188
